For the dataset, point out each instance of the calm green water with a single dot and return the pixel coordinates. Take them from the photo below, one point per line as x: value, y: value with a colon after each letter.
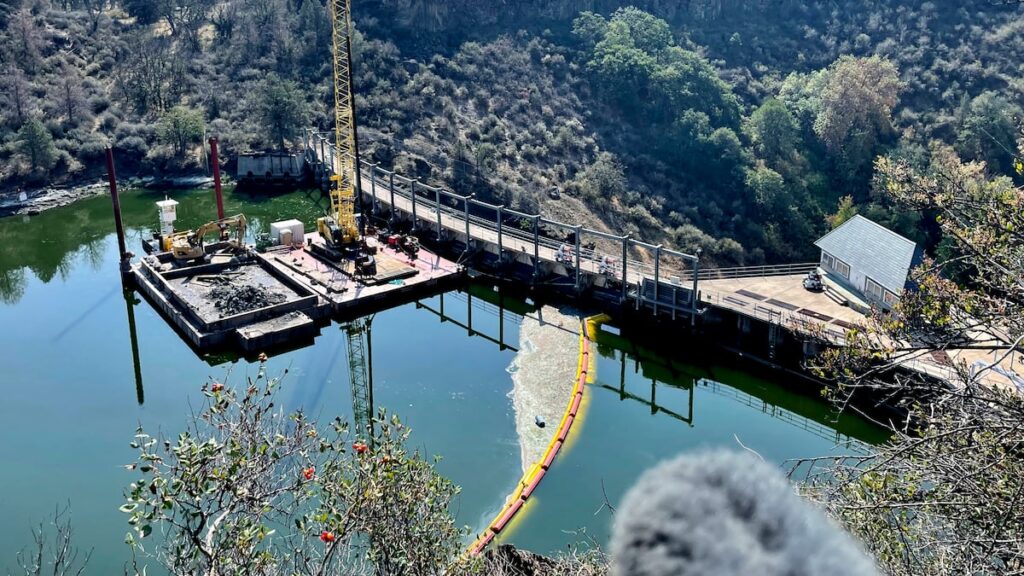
x: 71, y: 395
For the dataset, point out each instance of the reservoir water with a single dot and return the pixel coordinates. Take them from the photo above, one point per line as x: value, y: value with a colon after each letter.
x: 71, y: 394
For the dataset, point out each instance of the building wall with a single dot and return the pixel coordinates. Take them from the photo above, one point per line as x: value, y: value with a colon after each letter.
x: 857, y: 280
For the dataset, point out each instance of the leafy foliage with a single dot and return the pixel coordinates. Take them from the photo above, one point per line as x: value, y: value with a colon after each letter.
x: 249, y: 489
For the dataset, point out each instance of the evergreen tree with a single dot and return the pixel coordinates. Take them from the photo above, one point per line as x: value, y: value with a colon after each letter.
x: 36, y: 143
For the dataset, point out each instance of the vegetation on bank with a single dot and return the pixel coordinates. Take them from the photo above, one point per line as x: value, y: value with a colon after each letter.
x: 698, y: 126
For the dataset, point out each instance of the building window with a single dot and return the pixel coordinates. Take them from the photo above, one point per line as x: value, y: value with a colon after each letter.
x: 843, y: 268
x: 890, y: 298
x: 874, y: 290
x: 828, y: 261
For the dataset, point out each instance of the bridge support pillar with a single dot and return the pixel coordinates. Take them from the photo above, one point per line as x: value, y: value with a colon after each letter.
x: 578, y: 232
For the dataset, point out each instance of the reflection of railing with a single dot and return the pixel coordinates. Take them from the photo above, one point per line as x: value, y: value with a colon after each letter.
x: 779, y: 413
x: 486, y: 307
x: 479, y: 305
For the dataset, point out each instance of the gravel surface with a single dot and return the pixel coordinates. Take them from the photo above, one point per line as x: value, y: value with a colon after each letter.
x: 233, y: 299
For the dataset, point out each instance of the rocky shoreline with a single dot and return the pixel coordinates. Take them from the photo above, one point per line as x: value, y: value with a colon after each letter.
x: 32, y: 202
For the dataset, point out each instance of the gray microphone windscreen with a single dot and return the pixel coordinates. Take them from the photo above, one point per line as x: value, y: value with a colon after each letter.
x: 727, y: 514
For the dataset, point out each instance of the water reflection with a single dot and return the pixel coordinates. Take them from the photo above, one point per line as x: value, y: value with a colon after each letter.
x: 130, y: 302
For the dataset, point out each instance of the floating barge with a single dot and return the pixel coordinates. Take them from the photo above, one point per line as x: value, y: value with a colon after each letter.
x: 297, y: 291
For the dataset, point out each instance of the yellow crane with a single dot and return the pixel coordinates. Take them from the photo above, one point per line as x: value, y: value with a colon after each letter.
x: 339, y: 228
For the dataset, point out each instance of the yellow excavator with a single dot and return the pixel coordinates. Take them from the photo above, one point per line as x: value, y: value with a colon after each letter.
x: 339, y: 229
x: 189, y: 244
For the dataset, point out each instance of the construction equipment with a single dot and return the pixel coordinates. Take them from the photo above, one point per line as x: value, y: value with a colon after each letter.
x: 360, y: 371
x: 189, y: 244
x: 339, y: 228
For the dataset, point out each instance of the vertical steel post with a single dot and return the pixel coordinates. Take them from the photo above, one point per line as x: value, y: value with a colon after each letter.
x: 115, y: 199
x: 373, y: 186
x: 693, y: 296
x: 500, y: 218
x: 469, y: 312
x: 536, y: 246
x: 465, y: 203
x: 323, y: 162
x: 657, y: 279
x: 216, y: 178
x: 391, y: 185
x: 437, y: 206
x: 414, y: 182
x: 578, y: 233
x: 625, y: 276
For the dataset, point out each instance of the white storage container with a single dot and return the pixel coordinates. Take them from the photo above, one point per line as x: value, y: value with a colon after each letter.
x: 293, y: 226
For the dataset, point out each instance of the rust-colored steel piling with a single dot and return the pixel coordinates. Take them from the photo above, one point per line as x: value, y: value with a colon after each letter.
x: 116, y: 199
x: 216, y: 178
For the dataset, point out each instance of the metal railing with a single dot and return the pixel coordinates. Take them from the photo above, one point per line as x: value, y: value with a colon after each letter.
x: 446, y: 210
x: 755, y: 271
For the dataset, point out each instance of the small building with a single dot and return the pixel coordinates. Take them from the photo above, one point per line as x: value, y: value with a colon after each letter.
x: 869, y: 260
x: 280, y: 168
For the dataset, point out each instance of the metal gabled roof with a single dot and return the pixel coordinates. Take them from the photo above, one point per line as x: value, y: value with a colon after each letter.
x: 879, y: 253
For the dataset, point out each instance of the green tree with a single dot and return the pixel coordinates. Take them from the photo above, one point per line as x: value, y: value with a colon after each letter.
x: 589, y: 28
x: 622, y: 69
x: 180, y: 126
x: 774, y: 132
x: 988, y: 133
x: 649, y: 33
x: 281, y: 108
x: 36, y: 143
x: 604, y: 179
x: 856, y: 108
x: 844, y: 212
x: 769, y: 188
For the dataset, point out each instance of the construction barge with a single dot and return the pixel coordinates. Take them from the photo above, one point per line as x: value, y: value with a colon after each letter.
x: 226, y: 294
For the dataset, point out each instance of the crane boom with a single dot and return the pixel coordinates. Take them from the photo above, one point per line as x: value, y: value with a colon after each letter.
x: 345, y: 181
